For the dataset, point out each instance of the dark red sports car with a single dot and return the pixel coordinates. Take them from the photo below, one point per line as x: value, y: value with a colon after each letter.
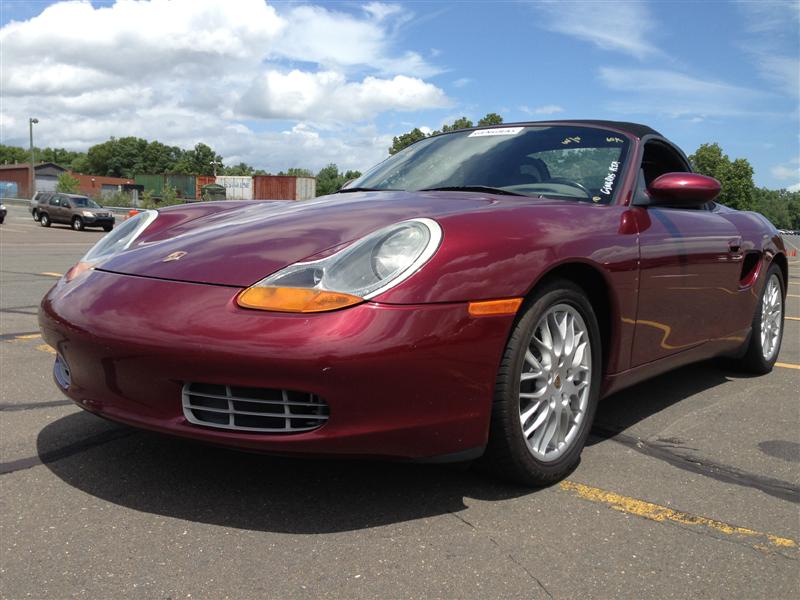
x: 475, y: 294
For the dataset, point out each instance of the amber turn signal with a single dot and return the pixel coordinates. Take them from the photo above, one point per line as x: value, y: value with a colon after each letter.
x: 297, y: 300
x: 490, y: 308
x: 81, y: 267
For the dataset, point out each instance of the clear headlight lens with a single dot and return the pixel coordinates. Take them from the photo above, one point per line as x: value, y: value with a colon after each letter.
x: 366, y: 268
x: 118, y: 239
x: 87, y: 213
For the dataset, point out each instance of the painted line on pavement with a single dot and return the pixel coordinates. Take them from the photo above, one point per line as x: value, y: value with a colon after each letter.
x: 49, y: 274
x: 658, y: 513
x: 792, y: 318
x: 45, y: 348
x: 793, y: 295
x: 784, y: 365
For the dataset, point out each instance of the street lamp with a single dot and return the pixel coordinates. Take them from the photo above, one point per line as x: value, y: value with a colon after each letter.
x: 31, y: 123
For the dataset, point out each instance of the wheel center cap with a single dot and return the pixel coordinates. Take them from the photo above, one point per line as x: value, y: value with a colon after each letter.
x: 557, y: 381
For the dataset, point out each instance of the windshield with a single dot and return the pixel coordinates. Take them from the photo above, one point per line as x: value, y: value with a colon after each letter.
x: 581, y: 163
x: 81, y: 202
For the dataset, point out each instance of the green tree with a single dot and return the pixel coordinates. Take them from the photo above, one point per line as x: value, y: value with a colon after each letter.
x: 406, y: 139
x: 735, y: 176
x: 401, y: 141
x: 199, y: 161
x: 67, y: 183
x: 14, y: 154
x: 297, y: 172
x: 240, y: 170
x: 490, y: 119
x: 330, y: 180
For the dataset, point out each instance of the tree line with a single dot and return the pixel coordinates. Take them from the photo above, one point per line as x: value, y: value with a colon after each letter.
x: 128, y: 156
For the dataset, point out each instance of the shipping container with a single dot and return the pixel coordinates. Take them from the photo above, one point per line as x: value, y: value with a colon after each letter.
x: 306, y: 188
x: 184, y: 185
x: 151, y: 183
x: 19, y: 176
x: 200, y: 181
x: 236, y: 187
x: 281, y: 187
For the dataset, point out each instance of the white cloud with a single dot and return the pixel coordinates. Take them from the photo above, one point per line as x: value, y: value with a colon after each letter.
x: 788, y: 170
x: 184, y: 71
x: 461, y: 82
x: 327, y: 96
x: 794, y: 188
x: 547, y: 109
x: 678, y: 95
x: 620, y: 26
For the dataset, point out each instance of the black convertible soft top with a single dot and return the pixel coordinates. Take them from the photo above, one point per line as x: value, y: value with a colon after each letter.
x: 636, y: 129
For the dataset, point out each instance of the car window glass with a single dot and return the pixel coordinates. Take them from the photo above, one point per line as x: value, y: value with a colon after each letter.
x: 54, y: 201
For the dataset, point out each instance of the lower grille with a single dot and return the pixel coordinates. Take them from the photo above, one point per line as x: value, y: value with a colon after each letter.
x: 253, y: 409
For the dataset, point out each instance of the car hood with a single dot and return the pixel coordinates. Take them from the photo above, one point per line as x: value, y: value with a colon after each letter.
x: 241, y: 246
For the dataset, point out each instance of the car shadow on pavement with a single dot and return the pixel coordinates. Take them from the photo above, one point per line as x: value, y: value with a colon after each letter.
x: 628, y: 407
x: 187, y: 480
x: 195, y: 482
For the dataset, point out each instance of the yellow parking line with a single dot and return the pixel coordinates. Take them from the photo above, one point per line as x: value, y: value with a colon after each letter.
x: 45, y: 348
x: 787, y: 365
x: 655, y: 512
x: 793, y: 318
x: 52, y: 274
x: 30, y: 336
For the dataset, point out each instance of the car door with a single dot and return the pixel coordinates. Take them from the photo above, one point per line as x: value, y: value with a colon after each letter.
x: 690, y: 265
x: 54, y: 209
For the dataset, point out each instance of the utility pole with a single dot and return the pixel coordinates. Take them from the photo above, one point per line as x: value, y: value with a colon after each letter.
x: 31, y: 123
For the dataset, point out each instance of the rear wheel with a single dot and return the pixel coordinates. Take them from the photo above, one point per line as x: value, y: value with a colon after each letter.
x: 547, y: 388
x: 767, y: 327
x: 36, y: 215
x: 44, y: 220
x: 77, y: 224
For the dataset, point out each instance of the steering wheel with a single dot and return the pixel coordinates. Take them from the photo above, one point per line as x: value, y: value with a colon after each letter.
x: 571, y: 183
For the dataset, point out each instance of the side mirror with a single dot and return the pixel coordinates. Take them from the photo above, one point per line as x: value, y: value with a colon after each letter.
x: 682, y: 189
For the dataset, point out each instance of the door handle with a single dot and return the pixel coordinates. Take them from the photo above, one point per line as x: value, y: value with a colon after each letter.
x: 735, y: 247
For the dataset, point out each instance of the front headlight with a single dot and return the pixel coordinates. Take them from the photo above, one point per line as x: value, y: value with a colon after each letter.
x: 87, y: 213
x: 118, y: 239
x: 366, y: 268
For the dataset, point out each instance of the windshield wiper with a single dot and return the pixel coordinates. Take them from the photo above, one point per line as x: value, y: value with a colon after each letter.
x: 472, y: 188
x: 365, y: 189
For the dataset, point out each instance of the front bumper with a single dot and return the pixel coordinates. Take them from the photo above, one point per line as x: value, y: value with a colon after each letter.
x: 97, y: 221
x: 401, y: 381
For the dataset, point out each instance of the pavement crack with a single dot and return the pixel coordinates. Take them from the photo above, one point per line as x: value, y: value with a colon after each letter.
x: 777, y: 488
x: 504, y: 551
x: 33, y: 405
x: 64, y: 452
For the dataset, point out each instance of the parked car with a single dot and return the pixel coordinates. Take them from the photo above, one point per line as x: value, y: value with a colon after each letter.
x: 78, y: 211
x: 39, y: 198
x: 474, y: 295
x: 3, y: 213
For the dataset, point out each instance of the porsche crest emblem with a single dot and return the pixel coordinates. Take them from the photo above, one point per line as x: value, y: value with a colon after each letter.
x: 174, y: 256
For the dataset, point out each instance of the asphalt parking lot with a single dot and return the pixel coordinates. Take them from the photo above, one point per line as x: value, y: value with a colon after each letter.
x: 689, y: 488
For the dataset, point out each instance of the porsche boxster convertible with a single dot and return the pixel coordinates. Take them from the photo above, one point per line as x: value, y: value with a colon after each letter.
x: 473, y: 296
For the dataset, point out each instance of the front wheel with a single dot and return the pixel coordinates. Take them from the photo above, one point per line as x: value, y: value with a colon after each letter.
x: 766, y: 331
x: 77, y: 224
x: 107, y: 228
x: 547, y: 388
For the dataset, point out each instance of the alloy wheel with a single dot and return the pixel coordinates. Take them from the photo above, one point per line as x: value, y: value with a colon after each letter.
x: 555, y: 382
x: 771, y: 318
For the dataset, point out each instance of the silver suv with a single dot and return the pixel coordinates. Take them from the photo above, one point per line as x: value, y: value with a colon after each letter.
x: 72, y: 209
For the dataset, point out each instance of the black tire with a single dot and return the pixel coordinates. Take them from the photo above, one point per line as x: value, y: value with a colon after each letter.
x: 107, y: 228
x: 44, y: 220
x: 35, y: 215
x: 77, y: 223
x: 507, y: 453
x: 753, y: 360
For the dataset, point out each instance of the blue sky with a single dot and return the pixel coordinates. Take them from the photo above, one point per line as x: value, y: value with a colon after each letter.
x: 303, y: 84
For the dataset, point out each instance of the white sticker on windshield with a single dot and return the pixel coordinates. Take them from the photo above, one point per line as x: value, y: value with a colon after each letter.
x: 496, y: 131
